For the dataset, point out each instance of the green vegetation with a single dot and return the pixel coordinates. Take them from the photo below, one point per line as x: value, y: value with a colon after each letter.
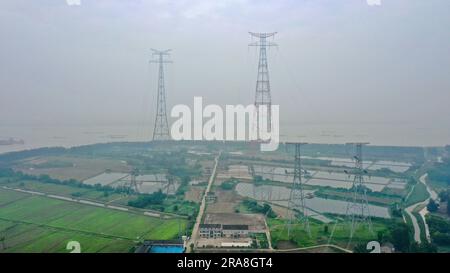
x: 50, y: 222
x: 384, y: 231
x: 343, y: 194
x: 254, y: 207
x: 258, y: 180
x: 160, y: 201
x: 432, y: 206
x: 440, y: 172
x: 418, y: 194
x: 144, y: 200
x: 53, y: 164
x: 11, y: 176
x: 320, y: 233
x: 439, y: 230
x: 39, y: 224
x: 229, y: 184
x: 444, y: 196
x: 184, y: 185
x: 261, y: 240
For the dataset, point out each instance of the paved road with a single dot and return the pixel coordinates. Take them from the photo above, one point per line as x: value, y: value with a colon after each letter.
x: 266, y: 250
x: 313, y: 247
x: 416, y: 227
x: 422, y: 213
x: 269, y: 238
x: 194, y: 236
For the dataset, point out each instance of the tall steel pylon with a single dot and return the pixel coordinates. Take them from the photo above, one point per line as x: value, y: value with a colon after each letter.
x: 170, y: 185
x: 262, y: 96
x: 161, y: 129
x: 297, y: 197
x: 358, y: 205
x: 132, y: 186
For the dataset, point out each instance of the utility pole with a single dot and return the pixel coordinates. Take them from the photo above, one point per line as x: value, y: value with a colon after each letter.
x: 262, y: 96
x: 161, y: 129
x: 297, y: 197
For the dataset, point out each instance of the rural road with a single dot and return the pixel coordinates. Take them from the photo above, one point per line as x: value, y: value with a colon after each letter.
x: 269, y: 238
x: 416, y: 227
x: 422, y: 213
x: 195, y: 230
x: 314, y: 247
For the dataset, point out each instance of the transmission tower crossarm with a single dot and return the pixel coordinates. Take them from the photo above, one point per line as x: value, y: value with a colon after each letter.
x: 294, y: 143
x: 357, y: 143
x: 158, y: 62
x: 263, y: 34
x: 161, y: 52
x: 267, y: 44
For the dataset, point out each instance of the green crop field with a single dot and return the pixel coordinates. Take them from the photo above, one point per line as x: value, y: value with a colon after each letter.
x: 419, y: 194
x: 319, y: 234
x: 40, y: 224
x: 70, y: 191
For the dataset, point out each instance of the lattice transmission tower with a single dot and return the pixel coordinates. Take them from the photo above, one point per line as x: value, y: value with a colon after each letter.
x: 170, y: 185
x: 133, y: 185
x: 161, y: 129
x: 358, y: 211
x: 262, y: 96
x: 296, y: 202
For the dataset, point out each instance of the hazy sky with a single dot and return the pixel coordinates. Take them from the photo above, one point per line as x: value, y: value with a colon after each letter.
x: 338, y: 61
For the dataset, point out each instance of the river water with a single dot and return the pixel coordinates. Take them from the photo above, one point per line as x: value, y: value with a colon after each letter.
x: 376, y: 134
x: 68, y: 136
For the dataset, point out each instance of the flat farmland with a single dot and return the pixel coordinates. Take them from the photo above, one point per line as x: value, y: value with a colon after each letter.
x: 39, y: 224
x: 65, y: 167
x: 319, y: 235
x: 194, y: 194
x: 28, y: 238
x: 66, y: 190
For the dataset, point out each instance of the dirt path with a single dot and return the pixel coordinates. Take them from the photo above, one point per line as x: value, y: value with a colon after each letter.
x: 317, y: 246
x: 266, y: 250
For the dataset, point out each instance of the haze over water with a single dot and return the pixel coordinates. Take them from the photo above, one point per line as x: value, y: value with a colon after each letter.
x: 344, y: 71
x: 376, y: 134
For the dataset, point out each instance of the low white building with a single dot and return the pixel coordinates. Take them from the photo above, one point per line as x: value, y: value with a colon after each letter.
x: 237, y: 244
x: 235, y: 231
x: 227, y: 231
x: 210, y: 230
